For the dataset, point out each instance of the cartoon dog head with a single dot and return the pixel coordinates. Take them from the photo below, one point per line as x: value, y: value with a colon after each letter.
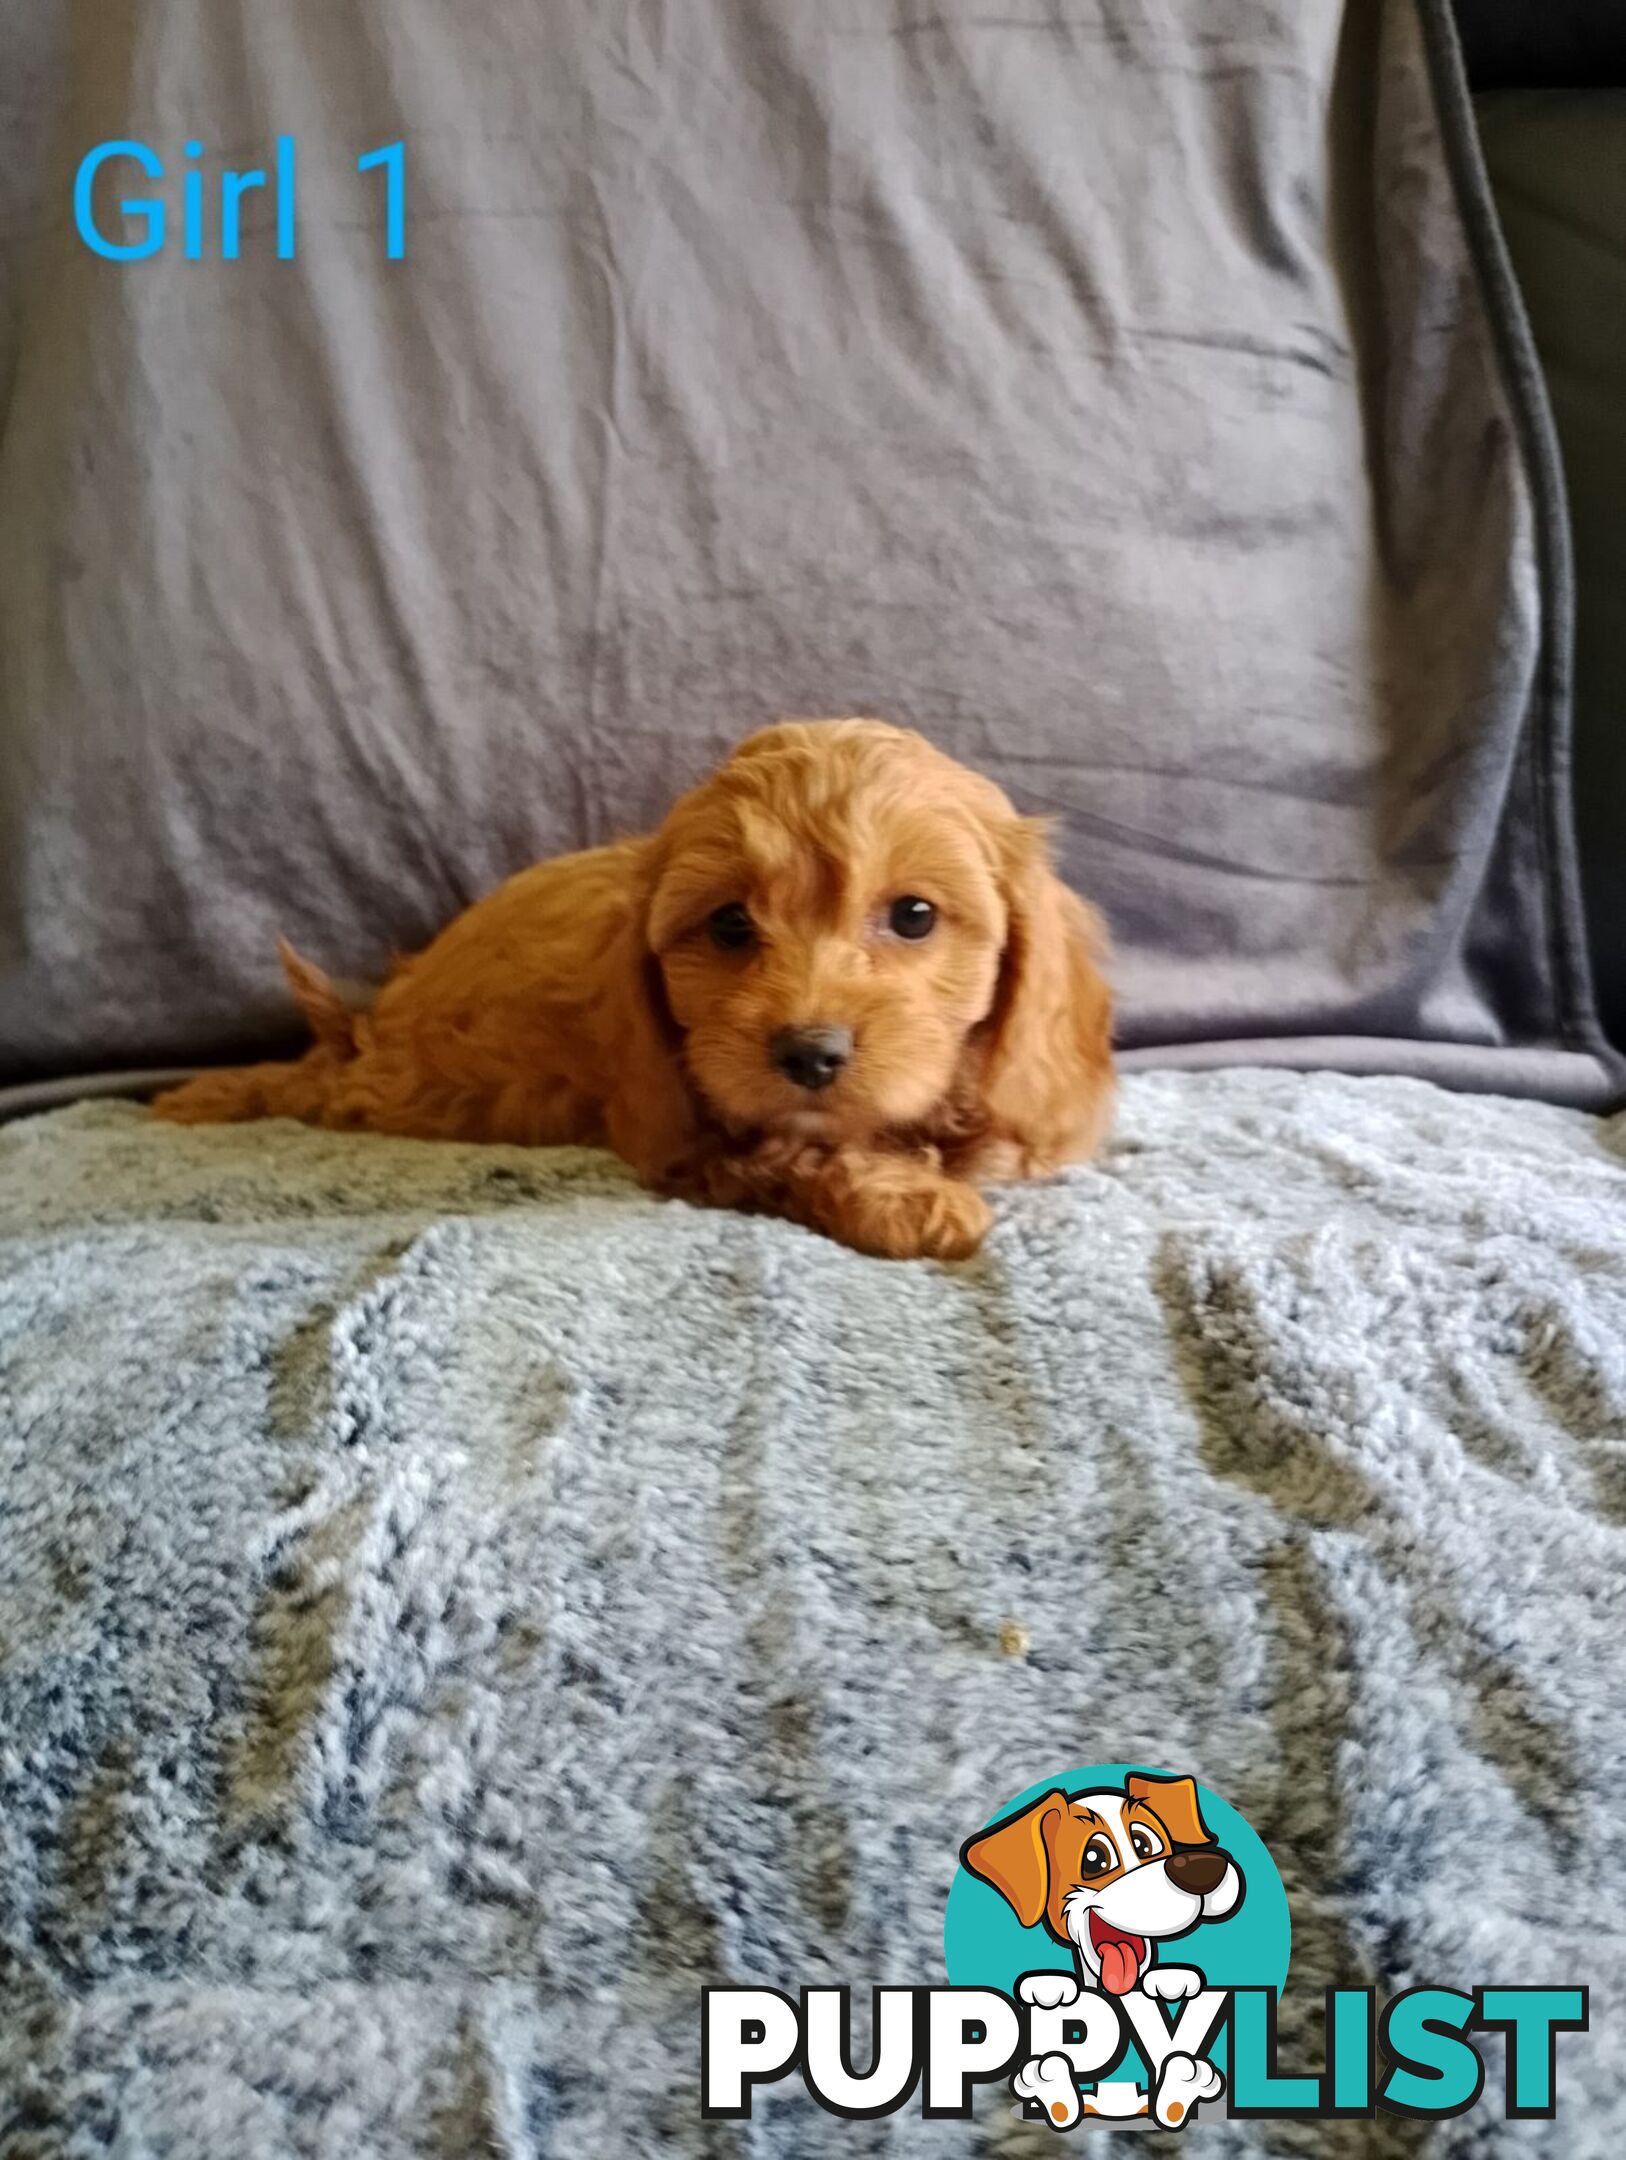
x: 1110, y: 1874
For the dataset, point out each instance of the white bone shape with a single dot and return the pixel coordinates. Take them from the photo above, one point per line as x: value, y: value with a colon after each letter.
x: 1117, y: 2102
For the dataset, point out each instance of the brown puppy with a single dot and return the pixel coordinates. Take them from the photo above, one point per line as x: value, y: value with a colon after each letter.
x: 841, y: 983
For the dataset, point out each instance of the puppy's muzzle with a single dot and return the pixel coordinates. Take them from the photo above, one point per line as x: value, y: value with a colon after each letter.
x: 1197, y: 1872
x: 811, y: 1057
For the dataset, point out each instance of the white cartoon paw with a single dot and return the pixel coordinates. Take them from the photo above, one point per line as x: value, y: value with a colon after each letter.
x: 1172, y: 1983
x: 1048, y: 2081
x: 1048, y: 1990
x: 1184, y: 2081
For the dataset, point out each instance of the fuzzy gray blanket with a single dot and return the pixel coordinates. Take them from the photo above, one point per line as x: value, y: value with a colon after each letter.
x: 452, y: 1606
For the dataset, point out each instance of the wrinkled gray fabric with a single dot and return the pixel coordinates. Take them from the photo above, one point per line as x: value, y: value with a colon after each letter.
x: 1106, y: 388
x: 453, y: 1605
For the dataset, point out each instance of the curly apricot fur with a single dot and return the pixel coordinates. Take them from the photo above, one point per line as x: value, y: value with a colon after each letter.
x: 586, y: 1000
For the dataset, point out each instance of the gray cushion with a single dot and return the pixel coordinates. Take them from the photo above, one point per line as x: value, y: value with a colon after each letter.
x: 1557, y: 162
x: 1056, y: 380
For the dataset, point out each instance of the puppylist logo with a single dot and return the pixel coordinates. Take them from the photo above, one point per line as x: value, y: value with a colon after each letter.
x: 1117, y: 1939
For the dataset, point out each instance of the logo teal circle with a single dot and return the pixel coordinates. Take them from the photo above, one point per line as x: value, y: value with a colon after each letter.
x: 986, y: 1945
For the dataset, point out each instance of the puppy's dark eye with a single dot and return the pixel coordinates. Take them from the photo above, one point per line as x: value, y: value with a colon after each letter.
x: 1098, y: 1857
x: 912, y: 917
x: 730, y: 927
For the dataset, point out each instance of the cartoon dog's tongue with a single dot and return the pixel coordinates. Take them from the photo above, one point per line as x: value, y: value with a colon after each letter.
x: 1121, y: 1955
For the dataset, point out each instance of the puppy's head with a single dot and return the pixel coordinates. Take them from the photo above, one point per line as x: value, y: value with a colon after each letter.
x: 1110, y: 1873
x: 841, y: 917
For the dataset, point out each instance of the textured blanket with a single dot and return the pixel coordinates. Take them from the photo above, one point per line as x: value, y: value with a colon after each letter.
x: 453, y: 1606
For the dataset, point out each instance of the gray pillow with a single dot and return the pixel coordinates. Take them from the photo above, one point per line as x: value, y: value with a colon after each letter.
x: 1056, y: 380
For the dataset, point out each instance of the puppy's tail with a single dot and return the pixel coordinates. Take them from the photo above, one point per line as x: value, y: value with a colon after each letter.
x: 302, y: 1089
x: 329, y: 1018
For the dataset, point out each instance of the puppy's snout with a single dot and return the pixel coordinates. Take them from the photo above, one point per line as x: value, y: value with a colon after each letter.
x: 811, y: 1056
x: 1197, y: 1872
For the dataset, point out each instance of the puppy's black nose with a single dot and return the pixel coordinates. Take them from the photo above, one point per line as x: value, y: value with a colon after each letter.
x: 1199, y: 1871
x: 812, y: 1056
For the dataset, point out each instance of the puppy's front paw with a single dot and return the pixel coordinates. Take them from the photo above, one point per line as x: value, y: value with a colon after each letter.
x: 947, y: 1222
x: 899, y: 1212
x: 950, y: 1224
x: 214, y: 1098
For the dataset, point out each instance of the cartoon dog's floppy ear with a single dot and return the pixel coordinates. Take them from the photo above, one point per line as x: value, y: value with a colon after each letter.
x: 1174, y: 1801
x: 1013, y: 1857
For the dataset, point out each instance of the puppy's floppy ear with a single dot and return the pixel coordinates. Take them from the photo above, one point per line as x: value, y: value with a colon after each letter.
x: 1174, y: 1802
x: 1048, y: 1077
x: 652, y: 1118
x: 1014, y: 1858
